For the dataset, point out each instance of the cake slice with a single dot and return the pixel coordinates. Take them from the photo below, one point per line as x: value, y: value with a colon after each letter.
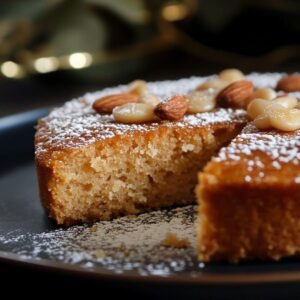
x: 249, y: 198
x: 91, y: 167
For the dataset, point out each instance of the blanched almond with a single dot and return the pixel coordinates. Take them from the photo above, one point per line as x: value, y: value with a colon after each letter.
x: 265, y: 93
x: 231, y: 75
x: 149, y: 99
x: 215, y: 84
x: 287, y: 102
x: 137, y: 87
x: 134, y: 113
x: 262, y: 122
x: 257, y: 107
x: 201, y: 101
x: 286, y: 119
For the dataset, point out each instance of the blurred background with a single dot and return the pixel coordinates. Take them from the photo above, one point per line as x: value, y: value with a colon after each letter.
x: 53, y: 50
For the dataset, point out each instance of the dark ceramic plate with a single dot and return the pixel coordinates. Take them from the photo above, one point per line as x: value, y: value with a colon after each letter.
x: 23, y: 223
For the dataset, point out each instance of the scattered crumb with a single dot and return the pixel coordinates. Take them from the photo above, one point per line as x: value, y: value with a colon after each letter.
x: 99, y: 253
x: 171, y: 240
x: 93, y: 228
x: 122, y: 247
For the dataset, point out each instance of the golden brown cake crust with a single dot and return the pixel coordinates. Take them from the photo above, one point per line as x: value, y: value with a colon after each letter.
x: 249, y: 198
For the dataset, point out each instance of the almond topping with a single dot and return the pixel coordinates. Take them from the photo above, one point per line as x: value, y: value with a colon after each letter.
x: 215, y: 84
x: 134, y: 113
x: 201, y: 101
x: 289, y: 83
x: 231, y: 75
x: 257, y: 107
x: 149, y: 99
x: 236, y: 95
x: 106, y: 104
x: 137, y: 87
x: 265, y: 93
x: 279, y: 113
x: 172, y: 110
x: 262, y: 122
x: 286, y: 119
x: 287, y: 102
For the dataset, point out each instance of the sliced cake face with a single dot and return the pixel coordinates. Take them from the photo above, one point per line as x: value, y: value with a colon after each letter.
x: 91, y: 167
x: 249, y: 198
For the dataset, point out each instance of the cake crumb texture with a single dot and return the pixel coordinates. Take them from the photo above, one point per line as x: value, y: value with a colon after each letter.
x: 90, y: 167
x: 129, y: 174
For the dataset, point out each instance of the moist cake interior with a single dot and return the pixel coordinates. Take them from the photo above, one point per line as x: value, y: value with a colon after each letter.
x: 134, y: 174
x: 92, y: 168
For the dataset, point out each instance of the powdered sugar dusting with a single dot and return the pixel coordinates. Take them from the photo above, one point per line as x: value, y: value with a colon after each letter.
x: 263, y: 150
x: 76, y: 123
x: 121, y: 245
x: 278, y: 146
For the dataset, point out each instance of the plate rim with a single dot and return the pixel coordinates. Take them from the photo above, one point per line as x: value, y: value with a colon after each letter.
x: 132, y: 276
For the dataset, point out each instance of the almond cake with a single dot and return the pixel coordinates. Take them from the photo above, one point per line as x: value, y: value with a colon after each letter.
x: 139, y: 147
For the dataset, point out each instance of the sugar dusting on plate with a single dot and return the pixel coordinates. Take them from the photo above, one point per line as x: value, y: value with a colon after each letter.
x: 131, y: 243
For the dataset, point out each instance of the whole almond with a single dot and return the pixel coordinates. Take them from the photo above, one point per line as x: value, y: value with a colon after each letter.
x: 174, y: 109
x: 289, y: 83
x: 231, y: 75
x: 236, y: 95
x: 106, y: 104
x: 134, y: 113
x: 264, y: 93
x: 137, y: 87
x: 215, y: 84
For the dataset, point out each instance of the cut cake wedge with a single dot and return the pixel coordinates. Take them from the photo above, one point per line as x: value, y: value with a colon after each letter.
x: 249, y: 198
